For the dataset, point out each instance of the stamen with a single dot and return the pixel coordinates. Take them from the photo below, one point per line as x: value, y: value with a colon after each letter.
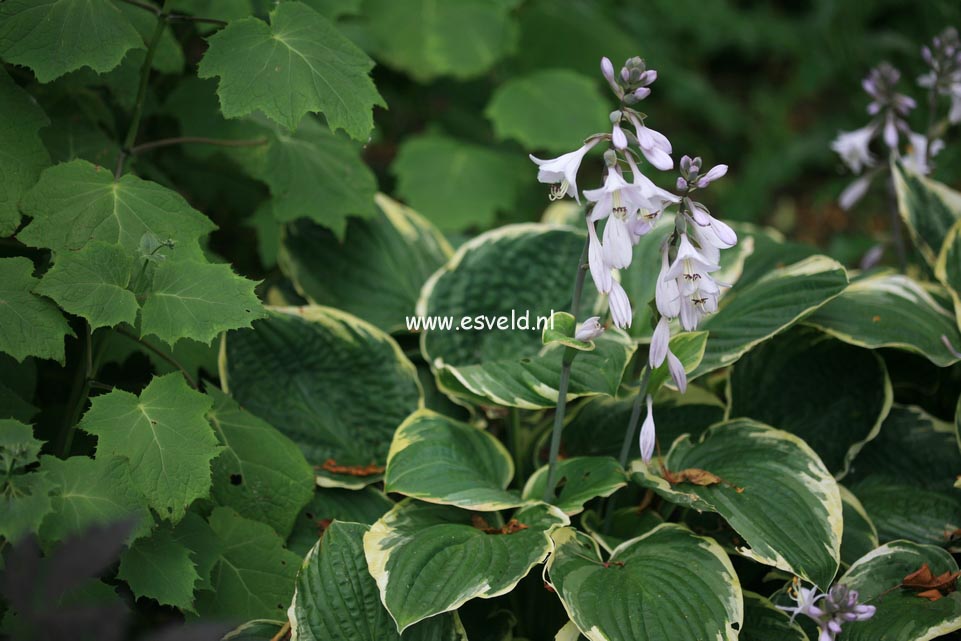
x: 559, y: 190
x: 618, y: 209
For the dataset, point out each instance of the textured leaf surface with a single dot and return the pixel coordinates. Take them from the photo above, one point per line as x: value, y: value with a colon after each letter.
x: 345, y: 385
x: 261, y: 473
x: 426, y: 39
x: 29, y: 325
x: 860, y: 535
x: 24, y: 153
x: 253, y: 578
x: 165, y: 436
x: 767, y: 307
x: 874, y: 311
x: 76, y: 202
x: 92, y: 283
x: 900, y: 613
x: 392, y: 254
x: 580, y: 479
x: 335, y: 504
x: 429, y: 559
x: 53, y: 37
x: 776, y: 493
x: 650, y: 584
x: 159, y: 567
x: 337, y: 599
x: 524, y: 109
x: 764, y: 622
x: 298, y: 63
x: 781, y: 381
x: 456, y: 184
x: 928, y: 208
x: 439, y: 460
x: 191, y: 299
x: 205, y: 547
x: 24, y: 498
x: 948, y: 269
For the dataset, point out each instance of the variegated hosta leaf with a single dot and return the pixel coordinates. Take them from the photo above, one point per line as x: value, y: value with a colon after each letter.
x: 763, y: 621
x: 333, y: 383
x: 428, y: 559
x: 901, y: 614
x: 890, y: 310
x: 337, y: 600
x: 512, y: 272
x: 948, y: 268
x: 580, y: 479
x: 774, y: 491
x: 781, y: 382
x: 393, y: 253
x: 626, y: 523
x: 764, y: 308
x: 905, y: 478
x: 335, y: 504
x: 689, y: 347
x: 860, y: 535
x: 439, y: 460
x: 928, y: 208
x: 667, y: 584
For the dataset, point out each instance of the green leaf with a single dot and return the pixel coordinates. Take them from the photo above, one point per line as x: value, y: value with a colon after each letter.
x: 560, y: 329
x: 76, y: 202
x: 254, y: 576
x: 860, y: 535
x: 168, y: 56
x: 159, y: 567
x: 428, y: 559
x: 298, y: 63
x: 781, y: 382
x: 668, y: 579
x: 194, y: 533
x: 763, y: 621
x: 395, y: 252
x: 874, y: 311
x: 261, y: 473
x: 190, y: 299
x: 335, y: 504
x: 689, y: 347
x: 92, y: 492
x: 29, y: 325
x: 24, y: 153
x: 219, y: 9
x: 337, y: 600
x: 53, y: 37
x: 901, y: 614
x: 626, y: 523
x: 580, y: 479
x: 12, y: 405
x: 24, y: 498
x: 439, y: 460
x: 165, y: 437
x: 329, y: 368
x: 92, y: 283
x: 948, y: 271
x: 425, y: 39
x: 767, y: 307
x: 456, y: 184
x: 775, y: 493
x: 525, y: 109
x: 928, y: 208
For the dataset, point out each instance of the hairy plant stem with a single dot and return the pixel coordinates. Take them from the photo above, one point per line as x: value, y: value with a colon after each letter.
x: 160, y: 353
x: 79, y: 394
x: 565, y: 380
x: 896, y: 233
x: 628, y: 441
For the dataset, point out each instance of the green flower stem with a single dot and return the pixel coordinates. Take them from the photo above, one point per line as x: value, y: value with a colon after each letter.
x: 896, y: 223
x: 628, y: 441
x: 565, y: 380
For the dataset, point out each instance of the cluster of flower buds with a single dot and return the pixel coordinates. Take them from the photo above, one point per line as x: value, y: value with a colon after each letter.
x: 943, y: 58
x: 632, y: 84
x: 829, y: 610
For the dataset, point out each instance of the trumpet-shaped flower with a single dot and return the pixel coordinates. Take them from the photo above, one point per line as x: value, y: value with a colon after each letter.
x: 654, y: 145
x: 667, y: 296
x: 589, y: 329
x: 561, y: 172
x: 600, y: 271
x: 648, y: 437
x: 852, y: 147
x: 620, y: 306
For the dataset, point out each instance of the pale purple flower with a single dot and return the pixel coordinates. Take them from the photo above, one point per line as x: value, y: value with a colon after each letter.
x: 852, y: 147
x: 620, y: 306
x: 657, y: 199
x: 648, y: 437
x: 561, y: 172
x: 698, y: 291
x: 660, y: 342
x: 600, y: 271
x: 617, y: 201
x: 654, y: 145
x: 838, y: 606
x: 854, y: 192
x: 711, y: 234
x: 717, y: 172
x: 617, y: 136
x: 617, y: 246
x: 589, y: 329
x: 917, y: 158
x: 676, y: 369
x: 667, y: 297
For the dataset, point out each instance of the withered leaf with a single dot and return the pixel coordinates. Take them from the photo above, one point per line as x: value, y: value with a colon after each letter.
x: 928, y: 585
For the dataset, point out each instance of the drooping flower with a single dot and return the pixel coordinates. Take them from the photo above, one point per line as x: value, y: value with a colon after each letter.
x: 617, y: 201
x: 620, y: 306
x: 852, y: 147
x: 561, y: 172
x: 676, y: 369
x: 660, y: 341
x: 648, y: 437
x: 654, y: 145
x: 600, y: 271
x: 918, y: 156
x: 656, y: 200
x: 943, y: 58
x: 667, y: 296
x: 589, y: 329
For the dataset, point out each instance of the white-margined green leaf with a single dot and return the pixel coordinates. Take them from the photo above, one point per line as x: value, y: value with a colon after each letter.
x: 928, y: 208
x: 860, y: 535
x: 579, y: 479
x: 333, y: 383
x: 666, y: 582
x: 948, y: 270
x: 774, y: 491
x: 763, y: 621
x: 428, y: 559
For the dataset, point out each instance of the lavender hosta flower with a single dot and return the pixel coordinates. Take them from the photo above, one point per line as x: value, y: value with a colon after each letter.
x: 654, y: 145
x: 657, y: 199
x: 620, y: 306
x: 667, y: 296
x: 676, y: 368
x: 589, y: 329
x: 561, y: 172
x: 648, y: 437
x: 661, y: 351
x: 698, y: 290
x: 618, y: 137
x: 881, y: 85
x: 852, y: 147
x: 918, y: 156
x: 600, y: 271
x: 715, y: 173
x: 854, y: 192
x: 837, y: 607
x: 617, y: 201
x: 943, y: 58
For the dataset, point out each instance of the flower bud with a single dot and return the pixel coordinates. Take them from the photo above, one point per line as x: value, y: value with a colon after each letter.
x: 589, y: 329
x: 641, y: 93
x: 607, y: 69
x: 681, y: 184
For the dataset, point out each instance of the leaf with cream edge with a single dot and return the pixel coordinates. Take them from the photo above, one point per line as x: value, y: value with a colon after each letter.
x: 327, y: 366
x: 860, y: 536
x: 929, y: 209
x: 298, y: 63
x: 30, y: 325
x: 775, y: 493
x: 336, y: 599
x: 580, y: 479
x: 767, y: 307
x: 901, y: 615
x: 763, y: 621
x: 428, y: 559
x: 667, y: 580
x: 780, y: 382
x: 874, y: 311
x: 948, y: 270
x: 689, y: 347
x: 439, y: 460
